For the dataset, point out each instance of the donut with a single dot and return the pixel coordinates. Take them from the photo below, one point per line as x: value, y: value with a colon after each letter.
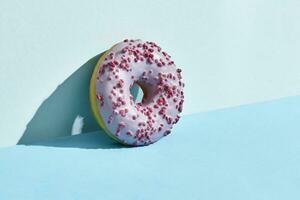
x: 114, y: 107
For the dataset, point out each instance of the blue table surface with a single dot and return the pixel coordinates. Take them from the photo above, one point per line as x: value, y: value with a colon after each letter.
x: 246, y: 152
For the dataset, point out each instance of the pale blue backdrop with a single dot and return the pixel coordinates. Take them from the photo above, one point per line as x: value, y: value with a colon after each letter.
x: 232, y: 53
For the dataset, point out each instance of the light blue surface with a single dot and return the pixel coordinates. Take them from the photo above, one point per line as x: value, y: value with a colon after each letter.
x: 231, y: 52
x: 248, y: 152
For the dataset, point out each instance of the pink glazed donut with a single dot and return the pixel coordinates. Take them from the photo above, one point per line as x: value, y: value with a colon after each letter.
x: 143, y: 63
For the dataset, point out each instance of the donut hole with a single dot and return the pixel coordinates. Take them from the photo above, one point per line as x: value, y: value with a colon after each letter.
x: 137, y: 92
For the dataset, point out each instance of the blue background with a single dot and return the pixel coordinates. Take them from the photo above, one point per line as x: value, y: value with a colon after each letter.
x: 232, y: 53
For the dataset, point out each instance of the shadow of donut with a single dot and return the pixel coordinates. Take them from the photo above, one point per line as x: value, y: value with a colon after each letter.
x: 58, y: 114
